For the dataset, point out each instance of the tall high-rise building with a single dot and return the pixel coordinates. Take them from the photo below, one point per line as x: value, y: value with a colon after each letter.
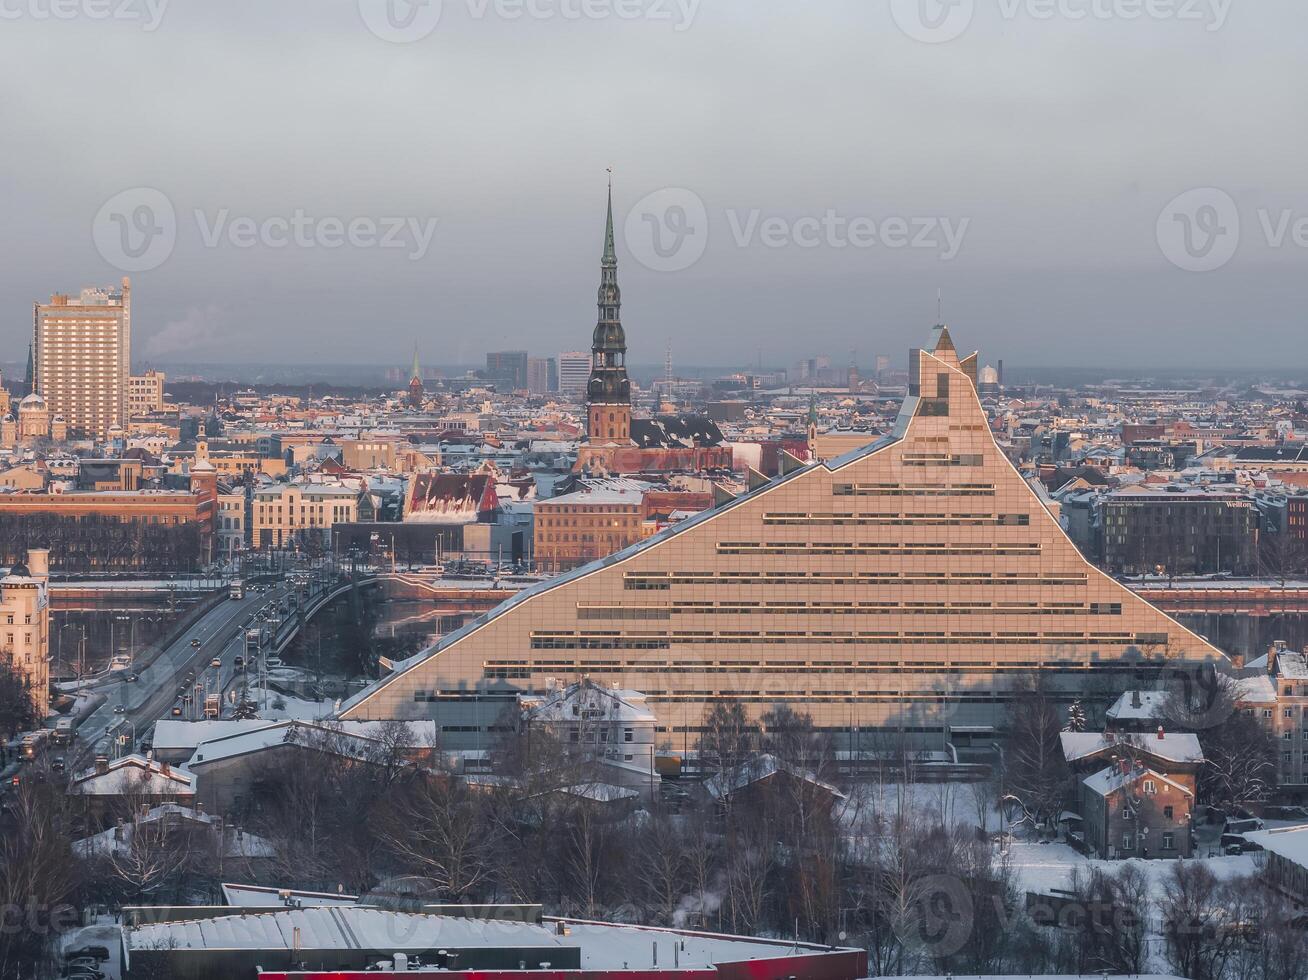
x: 574, y: 372
x: 542, y: 375
x: 82, y: 354
x: 904, y: 591
x: 608, y: 392
x: 509, y: 366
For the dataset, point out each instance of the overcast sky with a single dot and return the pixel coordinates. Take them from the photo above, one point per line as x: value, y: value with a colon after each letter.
x: 851, y: 157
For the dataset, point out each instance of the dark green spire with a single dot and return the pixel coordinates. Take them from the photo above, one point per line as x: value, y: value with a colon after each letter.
x: 31, y: 368
x: 610, y: 251
x: 608, y: 383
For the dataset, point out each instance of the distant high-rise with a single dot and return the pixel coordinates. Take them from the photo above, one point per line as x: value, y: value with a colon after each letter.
x: 883, y: 366
x: 542, y: 375
x: 574, y: 372
x: 509, y: 366
x: 82, y: 353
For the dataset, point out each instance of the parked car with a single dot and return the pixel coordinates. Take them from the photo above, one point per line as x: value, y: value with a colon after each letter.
x: 93, y: 951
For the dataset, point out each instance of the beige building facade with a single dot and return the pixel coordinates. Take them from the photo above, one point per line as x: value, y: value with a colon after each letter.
x: 287, y: 513
x: 903, y: 589
x: 145, y: 393
x: 82, y: 353
x: 25, y: 624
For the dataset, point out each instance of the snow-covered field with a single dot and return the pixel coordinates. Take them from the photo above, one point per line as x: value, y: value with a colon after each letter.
x: 1040, y: 867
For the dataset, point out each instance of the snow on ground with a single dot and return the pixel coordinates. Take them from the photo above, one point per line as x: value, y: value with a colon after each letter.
x: 1041, y: 867
x: 956, y: 804
x: 104, y: 933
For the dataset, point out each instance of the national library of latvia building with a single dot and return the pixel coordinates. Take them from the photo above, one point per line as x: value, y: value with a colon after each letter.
x: 907, y: 587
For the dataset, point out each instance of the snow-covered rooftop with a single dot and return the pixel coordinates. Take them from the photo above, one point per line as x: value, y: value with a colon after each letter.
x: 603, y: 946
x: 1112, y: 778
x: 1290, y: 843
x: 1172, y: 746
x: 260, y: 896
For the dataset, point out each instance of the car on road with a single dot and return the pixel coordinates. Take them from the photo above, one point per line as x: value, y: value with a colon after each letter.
x: 239, y: 662
x: 177, y: 711
x: 120, y: 709
x: 195, y: 642
x: 216, y: 662
x: 58, y: 765
x: 132, y: 677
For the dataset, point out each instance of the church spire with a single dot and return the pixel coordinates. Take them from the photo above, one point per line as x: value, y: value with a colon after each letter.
x: 416, y: 373
x: 610, y: 251
x: 608, y: 393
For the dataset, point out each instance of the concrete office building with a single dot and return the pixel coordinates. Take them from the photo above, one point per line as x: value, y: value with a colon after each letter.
x: 903, y: 589
x: 82, y: 355
x: 574, y: 372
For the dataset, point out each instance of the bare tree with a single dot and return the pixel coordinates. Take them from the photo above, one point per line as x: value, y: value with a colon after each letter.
x: 436, y: 827
x: 1195, y: 924
x: 1035, y: 773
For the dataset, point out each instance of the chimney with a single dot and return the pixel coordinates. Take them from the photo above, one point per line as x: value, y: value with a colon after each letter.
x: 1135, y: 699
x: 165, y: 769
x: 1278, y: 646
x: 101, y: 765
x: 1160, y: 733
x: 38, y: 562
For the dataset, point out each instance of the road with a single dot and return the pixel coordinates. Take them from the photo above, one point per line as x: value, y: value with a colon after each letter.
x: 221, y: 635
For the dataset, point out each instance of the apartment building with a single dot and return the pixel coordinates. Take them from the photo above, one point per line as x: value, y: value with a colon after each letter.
x: 82, y: 350
x: 145, y: 393
x: 289, y: 513
x: 25, y: 623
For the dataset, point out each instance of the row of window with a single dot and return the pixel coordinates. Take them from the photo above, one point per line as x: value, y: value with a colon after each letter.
x: 875, y: 548
x: 630, y: 612
x: 912, y: 490
x: 563, y: 640
x: 899, y: 519
x: 658, y: 581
